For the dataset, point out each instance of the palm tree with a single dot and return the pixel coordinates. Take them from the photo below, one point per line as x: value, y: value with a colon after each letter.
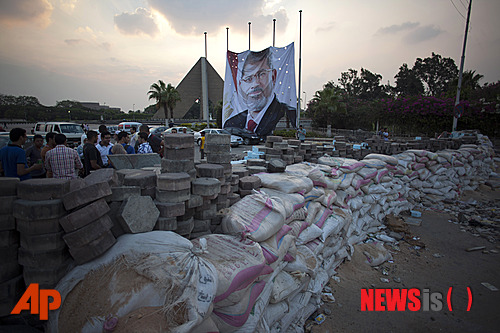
x: 166, y: 97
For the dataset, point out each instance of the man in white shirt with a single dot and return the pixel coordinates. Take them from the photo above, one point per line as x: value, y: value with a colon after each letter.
x: 104, y: 146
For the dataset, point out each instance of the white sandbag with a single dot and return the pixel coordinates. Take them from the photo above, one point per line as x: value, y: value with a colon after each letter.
x: 374, y: 189
x: 206, y: 326
x: 340, y: 200
x: 299, y: 169
x: 276, y: 247
x: 316, y: 246
x: 374, y: 163
x: 157, y: 270
x: 332, y: 226
x: 305, y: 261
x: 296, y: 306
x: 375, y: 253
x: 285, y: 182
x: 358, y: 181
x: 284, y: 284
x: 315, y: 194
x: 368, y: 173
x: 312, y: 210
x: 275, y: 312
x: 255, y: 216
x: 355, y: 203
x: 297, y: 227
x: 318, y: 178
x: 321, y: 216
x: 417, y: 152
x: 310, y: 233
x: 329, y: 198
x: 385, y: 158
x: 290, y: 201
x: 299, y: 214
x: 346, y: 180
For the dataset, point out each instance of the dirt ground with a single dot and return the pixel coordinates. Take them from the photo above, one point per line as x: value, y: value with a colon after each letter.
x: 443, y: 263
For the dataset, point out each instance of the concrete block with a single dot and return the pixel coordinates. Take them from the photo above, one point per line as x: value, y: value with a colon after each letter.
x: 9, y: 254
x: 36, y: 227
x: 174, y: 181
x: 276, y: 165
x: 125, y: 172
x: 206, y: 214
x: 12, y: 288
x: 217, y: 149
x: 256, y: 162
x: 89, y: 232
x: 210, y: 197
x: 176, y: 166
x: 256, y: 169
x: 218, y: 139
x: 241, y: 171
x: 47, y: 278
x: 134, y: 161
x: 235, y: 188
x: 225, y: 189
x: 8, y: 186
x: 209, y: 170
x: 138, y: 214
x: 293, y: 142
x: 166, y: 223
x: 179, y: 196
x: 194, y: 201
x: 43, y: 189
x: 185, y: 227
x: 274, y: 151
x: 9, y: 237
x: 149, y: 192
x: 298, y: 159
x: 199, y: 234
x: 38, y: 210
x: 9, y: 270
x: 179, y: 153
x: 235, y: 179
x: 201, y: 225
x: 6, y: 204
x: 219, y: 158
x: 250, y: 182
x: 120, y: 193
x: 7, y: 222
x: 269, y: 157
x: 93, y: 249
x: 102, y: 175
x: 223, y: 205
x: 86, y: 195
x: 244, y: 193
x: 178, y: 141
x: 42, y: 242
x: 116, y: 229
x: 143, y: 180
x: 192, y: 174
x: 120, y: 161
x: 221, y: 198
x: 273, y: 138
x: 84, y: 216
x: 43, y: 259
x: 228, y: 168
x: 206, y: 186
x: 187, y: 214
x: 170, y: 209
x: 280, y: 145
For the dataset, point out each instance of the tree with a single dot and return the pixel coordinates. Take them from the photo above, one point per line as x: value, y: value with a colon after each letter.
x: 470, y: 83
x: 436, y: 73
x: 407, y: 82
x: 327, y: 108
x: 365, y: 86
x: 166, y: 97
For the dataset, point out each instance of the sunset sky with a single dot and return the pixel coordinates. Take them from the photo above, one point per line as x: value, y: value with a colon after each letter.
x: 111, y: 51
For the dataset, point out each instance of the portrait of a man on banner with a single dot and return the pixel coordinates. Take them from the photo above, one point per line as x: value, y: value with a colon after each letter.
x: 259, y: 89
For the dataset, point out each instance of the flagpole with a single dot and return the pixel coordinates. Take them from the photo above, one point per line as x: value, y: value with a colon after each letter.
x: 274, y: 31
x: 300, y: 67
x: 227, y: 38
x: 249, y: 23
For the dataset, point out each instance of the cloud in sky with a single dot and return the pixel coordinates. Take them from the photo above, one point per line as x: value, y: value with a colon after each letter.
x: 73, y: 42
x: 422, y: 34
x: 188, y: 17
x: 327, y: 28
x: 20, y: 12
x: 395, y: 28
x: 137, y: 23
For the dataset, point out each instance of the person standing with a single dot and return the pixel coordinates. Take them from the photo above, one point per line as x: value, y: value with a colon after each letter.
x: 301, y: 133
x: 104, y: 147
x: 144, y: 147
x: 133, y: 136
x: 33, y: 155
x: 123, y: 139
x: 202, y: 145
x: 91, y: 156
x: 13, y: 161
x: 153, y: 140
x: 63, y: 162
x: 49, y: 138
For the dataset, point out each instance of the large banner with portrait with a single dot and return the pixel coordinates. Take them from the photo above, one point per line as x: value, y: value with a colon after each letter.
x: 259, y: 89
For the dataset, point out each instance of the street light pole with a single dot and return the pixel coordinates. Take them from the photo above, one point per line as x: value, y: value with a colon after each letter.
x: 133, y: 111
x: 69, y: 113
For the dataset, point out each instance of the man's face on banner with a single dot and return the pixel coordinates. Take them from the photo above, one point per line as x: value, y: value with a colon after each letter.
x: 257, y: 84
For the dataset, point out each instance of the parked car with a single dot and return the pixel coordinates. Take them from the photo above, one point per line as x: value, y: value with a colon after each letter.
x: 158, y: 131
x: 73, y: 131
x: 249, y: 138
x: 126, y: 125
x: 179, y: 129
x: 235, y: 140
x: 112, y: 129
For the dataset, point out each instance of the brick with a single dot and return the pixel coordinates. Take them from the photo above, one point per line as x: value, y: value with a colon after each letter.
x: 120, y: 193
x: 173, y: 196
x: 9, y: 253
x: 143, y: 180
x: 209, y: 170
x: 273, y: 138
x: 86, y: 195
x: 9, y: 270
x: 225, y: 189
x: 9, y: 237
x: 38, y: 210
x: 168, y: 209
x: 235, y: 179
x: 120, y: 174
x: 116, y: 229
x: 250, y: 182
x: 194, y: 201
x: 43, y: 259
x: 107, y: 175
x: 179, y: 154
x: 185, y: 227
x: 149, y: 192
x: 219, y: 158
x: 8, y: 186
x: 84, y: 216
x: 194, y: 235
x: 89, y: 232
x: 206, y: 186
x: 42, y: 242
x: 47, y: 278
x: 12, y: 288
x: 276, y: 165
x: 93, y: 249
x: 138, y: 214
x: 217, y: 139
x: 217, y: 149
x: 166, y: 223
x: 174, y: 181
x: 43, y: 189
x: 200, y: 225
x: 240, y: 171
x: 178, y: 140
x: 176, y: 166
x: 7, y: 222
x: 256, y: 162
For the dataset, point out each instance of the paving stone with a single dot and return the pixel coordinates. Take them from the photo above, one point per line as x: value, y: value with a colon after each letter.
x: 84, y: 215
x: 225, y: 189
x: 223, y: 205
x: 270, y: 157
x: 89, y: 232
x: 273, y: 138
x: 173, y: 196
x: 42, y: 242
x: 179, y: 154
x: 293, y: 142
x: 194, y: 201
x: 206, y: 214
x: 235, y: 188
x: 187, y: 214
x: 192, y: 174
x: 169, y: 209
x: 210, y: 197
x: 77, y: 184
x: 9, y: 270
x: 276, y: 165
x: 12, y: 288
x: 256, y: 162
x: 93, y: 249
x: 228, y: 168
x: 42, y: 189
x: 166, y: 224
x: 7, y: 222
x: 274, y: 151
x: 176, y: 166
x: 35, y: 227
x: 102, y: 175
x: 280, y: 145
x: 221, y: 198
x: 217, y: 149
x: 8, y: 186
x: 199, y: 234
x: 250, y: 182
x: 120, y: 161
x: 298, y: 159
x: 235, y: 179
x: 86, y: 195
x: 173, y: 181
x: 241, y: 171
x: 138, y: 214
x: 120, y: 174
x: 219, y: 158
x: 38, y: 210
x: 6, y: 204
x: 289, y: 159
x: 178, y: 140
x: 200, y: 225
x: 9, y: 253
x: 218, y: 139
x: 144, y: 179
x: 43, y: 259
x: 134, y: 161
x: 252, y: 170
x: 185, y: 227
x: 9, y: 237
x: 116, y: 229
x: 206, y: 186
x: 120, y: 193
x: 217, y: 219
x: 149, y: 192
x: 209, y: 170
x: 47, y: 278
x: 244, y: 193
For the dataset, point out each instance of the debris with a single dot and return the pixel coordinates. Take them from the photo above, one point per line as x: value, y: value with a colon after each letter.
x: 477, y: 248
x: 319, y: 319
x: 384, y: 280
x: 327, y: 297
x: 437, y: 255
x: 396, y: 279
x: 489, y: 286
x: 413, y: 221
x: 415, y: 213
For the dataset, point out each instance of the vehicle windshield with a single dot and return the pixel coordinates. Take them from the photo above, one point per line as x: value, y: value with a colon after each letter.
x: 71, y: 128
x: 224, y: 132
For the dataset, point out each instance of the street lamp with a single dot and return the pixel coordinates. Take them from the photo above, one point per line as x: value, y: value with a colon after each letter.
x: 69, y: 113
x: 305, y: 99
x: 133, y: 110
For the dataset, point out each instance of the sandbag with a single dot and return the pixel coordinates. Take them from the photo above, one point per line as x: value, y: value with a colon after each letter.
x: 305, y: 261
x: 385, y: 158
x: 285, y: 182
x: 310, y: 233
x: 276, y: 247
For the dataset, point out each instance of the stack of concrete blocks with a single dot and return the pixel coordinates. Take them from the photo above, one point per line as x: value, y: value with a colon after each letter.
x: 295, y: 145
x: 248, y: 184
x: 234, y: 196
x: 11, y: 273
x: 218, y: 150
x: 88, y: 225
x: 255, y: 165
x: 43, y: 253
x: 209, y: 189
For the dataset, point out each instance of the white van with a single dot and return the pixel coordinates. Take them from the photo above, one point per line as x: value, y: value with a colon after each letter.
x: 73, y: 131
x: 127, y: 125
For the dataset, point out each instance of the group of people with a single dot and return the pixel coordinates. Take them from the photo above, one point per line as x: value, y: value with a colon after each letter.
x: 56, y: 160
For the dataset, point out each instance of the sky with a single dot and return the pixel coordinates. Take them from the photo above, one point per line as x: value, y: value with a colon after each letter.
x: 111, y: 51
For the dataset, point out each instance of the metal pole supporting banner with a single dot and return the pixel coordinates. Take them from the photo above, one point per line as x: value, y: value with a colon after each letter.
x: 249, y: 23
x: 205, y: 44
x: 274, y: 31
x: 227, y: 38
x: 300, y: 67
